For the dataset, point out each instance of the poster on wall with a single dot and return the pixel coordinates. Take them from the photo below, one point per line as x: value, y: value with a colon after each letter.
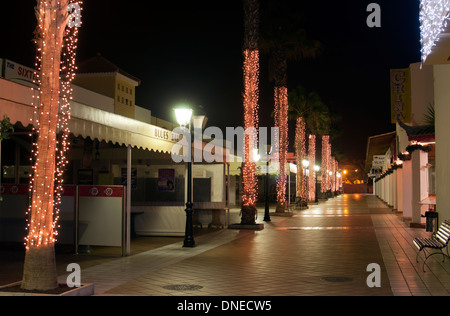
x: 166, y: 180
x: 133, y: 178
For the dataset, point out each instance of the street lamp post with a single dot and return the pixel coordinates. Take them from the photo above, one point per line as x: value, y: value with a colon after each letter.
x: 305, y: 163
x: 184, y: 116
x: 266, y: 211
x: 316, y: 170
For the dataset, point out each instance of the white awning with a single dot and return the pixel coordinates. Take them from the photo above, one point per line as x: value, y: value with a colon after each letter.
x: 90, y: 122
x: 16, y: 101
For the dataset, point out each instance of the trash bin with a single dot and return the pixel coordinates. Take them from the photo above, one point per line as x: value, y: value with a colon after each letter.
x: 432, y: 221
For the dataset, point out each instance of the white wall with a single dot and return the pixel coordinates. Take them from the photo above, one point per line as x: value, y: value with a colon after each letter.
x: 442, y: 108
x: 87, y: 97
x: 422, y: 92
x: 143, y: 115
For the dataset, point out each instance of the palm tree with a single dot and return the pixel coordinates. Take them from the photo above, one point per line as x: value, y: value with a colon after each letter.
x: 284, y: 40
x: 251, y: 99
x: 39, y: 267
x: 312, y: 119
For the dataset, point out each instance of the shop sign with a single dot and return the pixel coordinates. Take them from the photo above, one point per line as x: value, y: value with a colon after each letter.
x: 20, y: 74
x: 378, y: 162
x: 401, y: 95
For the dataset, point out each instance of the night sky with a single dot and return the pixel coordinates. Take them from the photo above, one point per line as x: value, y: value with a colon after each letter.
x: 192, y: 51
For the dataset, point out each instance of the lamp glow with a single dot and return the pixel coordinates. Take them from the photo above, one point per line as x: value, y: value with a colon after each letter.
x: 256, y: 156
x: 305, y: 163
x: 183, y: 116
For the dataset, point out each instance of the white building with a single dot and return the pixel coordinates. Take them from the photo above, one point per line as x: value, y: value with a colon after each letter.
x: 108, y: 150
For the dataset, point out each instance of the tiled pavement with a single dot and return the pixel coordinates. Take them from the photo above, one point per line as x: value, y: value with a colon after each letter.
x: 293, y: 256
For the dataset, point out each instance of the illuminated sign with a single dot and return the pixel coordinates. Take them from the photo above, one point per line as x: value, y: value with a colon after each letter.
x: 401, y: 95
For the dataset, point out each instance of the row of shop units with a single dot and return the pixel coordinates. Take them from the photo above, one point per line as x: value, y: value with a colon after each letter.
x: 120, y: 178
x: 404, y: 163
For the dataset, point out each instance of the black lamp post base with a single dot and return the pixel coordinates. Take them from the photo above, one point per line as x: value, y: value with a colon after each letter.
x: 189, y: 234
x: 189, y: 243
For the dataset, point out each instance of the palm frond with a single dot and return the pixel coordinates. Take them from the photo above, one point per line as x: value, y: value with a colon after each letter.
x: 430, y: 117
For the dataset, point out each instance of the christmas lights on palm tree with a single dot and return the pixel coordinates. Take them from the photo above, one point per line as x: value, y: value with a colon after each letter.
x: 251, y: 99
x: 313, y: 119
x: 56, y: 46
x: 284, y: 40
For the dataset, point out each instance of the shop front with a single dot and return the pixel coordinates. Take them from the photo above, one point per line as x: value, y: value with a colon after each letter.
x: 127, y: 163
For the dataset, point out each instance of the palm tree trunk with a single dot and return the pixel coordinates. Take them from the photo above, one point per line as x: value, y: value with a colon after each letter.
x: 40, y: 267
x: 251, y: 99
x: 300, y: 150
x: 312, y: 163
x: 281, y: 122
x: 325, y: 163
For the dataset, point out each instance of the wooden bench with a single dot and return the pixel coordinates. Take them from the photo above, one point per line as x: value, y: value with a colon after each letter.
x: 438, y: 241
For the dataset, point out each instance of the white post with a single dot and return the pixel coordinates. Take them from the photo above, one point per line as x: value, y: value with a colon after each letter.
x: 407, y: 190
x: 419, y: 183
x: 400, y: 190
x: 128, y: 217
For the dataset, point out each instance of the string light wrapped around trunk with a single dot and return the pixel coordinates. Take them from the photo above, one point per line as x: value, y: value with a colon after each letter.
x: 251, y: 107
x: 325, y: 175
x: 251, y: 97
x: 300, y: 150
x: 312, y: 163
x: 55, y: 64
x: 281, y: 122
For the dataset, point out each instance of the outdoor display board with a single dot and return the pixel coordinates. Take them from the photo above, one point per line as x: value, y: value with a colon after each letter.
x: 100, y: 215
x: 13, y: 210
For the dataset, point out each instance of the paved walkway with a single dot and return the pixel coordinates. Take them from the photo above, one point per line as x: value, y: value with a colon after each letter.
x: 322, y: 251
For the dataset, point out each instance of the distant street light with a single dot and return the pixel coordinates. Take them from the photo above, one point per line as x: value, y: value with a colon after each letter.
x: 316, y: 170
x: 305, y: 164
x: 184, y: 116
x: 266, y: 211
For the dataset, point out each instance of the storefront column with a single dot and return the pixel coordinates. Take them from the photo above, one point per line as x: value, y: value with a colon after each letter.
x: 394, y: 190
x: 389, y: 192
x: 400, y: 190
x: 419, y: 184
x: 128, y: 210
x: 407, y: 190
